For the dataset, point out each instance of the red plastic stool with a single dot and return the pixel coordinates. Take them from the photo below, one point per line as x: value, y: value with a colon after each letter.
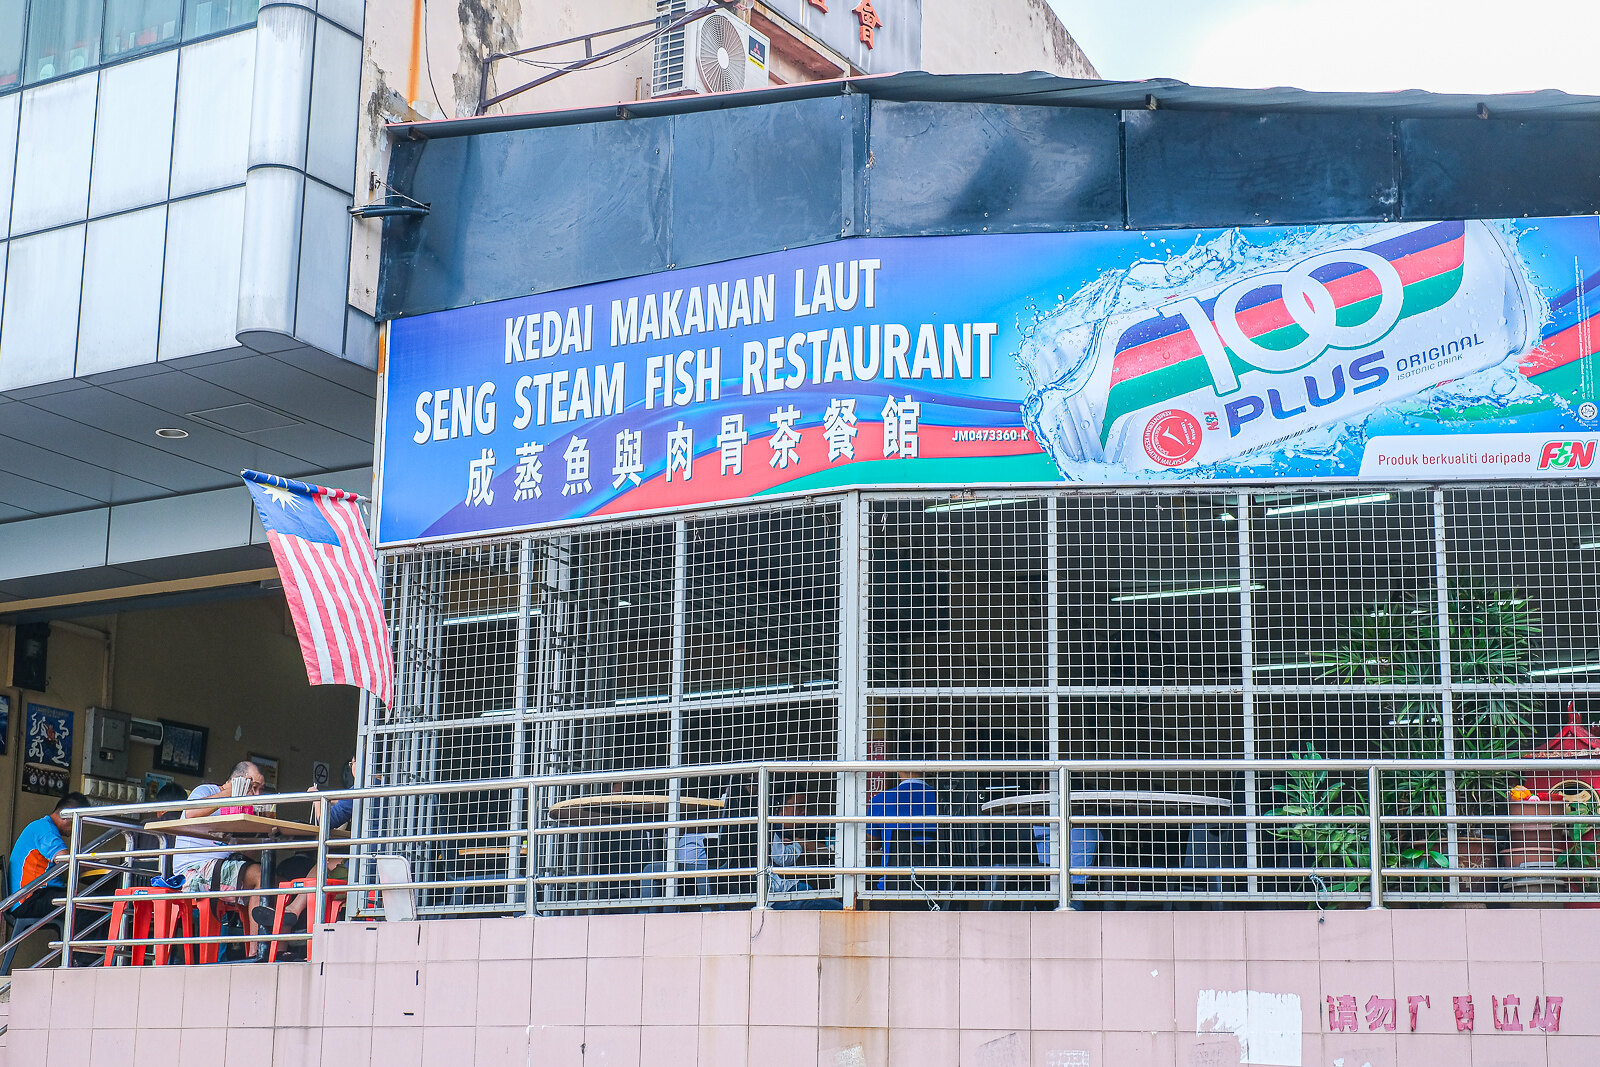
x: 211, y: 913
x: 332, y: 906
x: 152, y: 917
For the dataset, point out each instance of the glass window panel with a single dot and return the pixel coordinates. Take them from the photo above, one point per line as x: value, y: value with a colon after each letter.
x: 63, y: 37
x: 958, y: 592
x: 1343, y: 587
x: 205, y: 17
x: 762, y: 603
x: 620, y: 616
x: 134, y: 26
x: 1524, y: 585
x: 13, y: 16
x: 1149, y: 590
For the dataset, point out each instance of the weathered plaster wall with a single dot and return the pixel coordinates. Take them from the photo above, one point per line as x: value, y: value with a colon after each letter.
x: 998, y: 37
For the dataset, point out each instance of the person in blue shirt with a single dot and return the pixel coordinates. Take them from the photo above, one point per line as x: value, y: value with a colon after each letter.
x: 899, y: 841
x: 41, y: 843
x: 339, y: 814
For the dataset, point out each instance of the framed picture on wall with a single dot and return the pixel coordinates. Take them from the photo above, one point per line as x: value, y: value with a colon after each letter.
x: 269, y: 772
x: 47, y: 750
x: 183, y: 748
x: 49, y: 736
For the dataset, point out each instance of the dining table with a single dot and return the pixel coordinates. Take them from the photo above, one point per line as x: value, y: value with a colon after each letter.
x: 597, y: 808
x: 1131, y: 803
x: 1116, y: 801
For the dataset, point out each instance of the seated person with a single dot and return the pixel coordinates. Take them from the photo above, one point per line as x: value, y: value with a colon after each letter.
x: 898, y: 841
x: 623, y: 851
x: 299, y: 865
x: 791, y: 843
x: 735, y: 846
x: 41, y: 843
x: 691, y: 857
x: 219, y: 869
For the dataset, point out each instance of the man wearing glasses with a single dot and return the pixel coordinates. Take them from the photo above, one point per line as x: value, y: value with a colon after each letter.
x: 219, y: 870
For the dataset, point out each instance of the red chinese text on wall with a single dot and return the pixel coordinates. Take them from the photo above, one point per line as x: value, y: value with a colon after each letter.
x: 1347, y: 1014
x: 869, y: 21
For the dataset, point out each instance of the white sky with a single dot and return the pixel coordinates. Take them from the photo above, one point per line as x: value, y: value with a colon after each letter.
x: 1468, y: 46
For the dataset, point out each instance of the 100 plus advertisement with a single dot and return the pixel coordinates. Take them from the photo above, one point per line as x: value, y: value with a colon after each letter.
x: 1430, y: 351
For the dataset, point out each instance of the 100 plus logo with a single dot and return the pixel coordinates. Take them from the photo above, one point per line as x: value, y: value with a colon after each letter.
x: 1567, y: 455
x: 1310, y: 305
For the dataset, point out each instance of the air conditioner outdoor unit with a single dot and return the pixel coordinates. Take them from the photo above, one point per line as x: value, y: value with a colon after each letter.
x: 713, y: 54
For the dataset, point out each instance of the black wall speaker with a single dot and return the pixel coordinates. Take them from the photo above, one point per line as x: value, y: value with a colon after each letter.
x: 28, y: 664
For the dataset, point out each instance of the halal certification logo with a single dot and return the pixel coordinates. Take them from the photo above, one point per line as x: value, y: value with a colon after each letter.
x: 1172, y: 437
x: 1587, y: 411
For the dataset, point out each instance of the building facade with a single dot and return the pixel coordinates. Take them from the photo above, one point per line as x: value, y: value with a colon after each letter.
x: 746, y: 575
x: 187, y: 295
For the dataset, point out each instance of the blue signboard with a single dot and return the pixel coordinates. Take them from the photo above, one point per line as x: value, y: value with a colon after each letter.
x: 1438, y: 350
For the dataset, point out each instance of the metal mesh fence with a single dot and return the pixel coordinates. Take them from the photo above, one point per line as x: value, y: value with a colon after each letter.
x: 1370, y: 622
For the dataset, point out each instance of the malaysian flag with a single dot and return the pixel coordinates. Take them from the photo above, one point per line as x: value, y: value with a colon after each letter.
x: 319, y: 540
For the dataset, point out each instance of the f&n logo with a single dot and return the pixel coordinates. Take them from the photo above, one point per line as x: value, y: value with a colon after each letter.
x: 1567, y: 455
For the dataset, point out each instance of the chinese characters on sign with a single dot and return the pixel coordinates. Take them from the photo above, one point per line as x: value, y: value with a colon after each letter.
x: 839, y: 430
x: 1346, y: 1014
x: 869, y: 21
x: 47, y: 755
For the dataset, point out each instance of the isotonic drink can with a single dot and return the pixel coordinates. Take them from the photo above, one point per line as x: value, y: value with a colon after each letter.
x: 1316, y: 332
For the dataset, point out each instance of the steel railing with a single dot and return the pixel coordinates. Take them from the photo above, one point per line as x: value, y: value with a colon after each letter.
x: 561, y: 873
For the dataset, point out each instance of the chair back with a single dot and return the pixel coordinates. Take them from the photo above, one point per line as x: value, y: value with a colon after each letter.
x: 399, y: 905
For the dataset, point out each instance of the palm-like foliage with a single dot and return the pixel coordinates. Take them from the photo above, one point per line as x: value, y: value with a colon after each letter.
x: 1492, y: 633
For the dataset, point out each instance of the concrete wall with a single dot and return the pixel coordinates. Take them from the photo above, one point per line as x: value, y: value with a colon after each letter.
x: 776, y: 989
x: 439, y: 78
x: 998, y: 37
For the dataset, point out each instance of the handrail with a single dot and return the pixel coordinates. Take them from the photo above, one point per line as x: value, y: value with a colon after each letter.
x: 56, y: 867
x: 752, y: 767
x: 589, y: 888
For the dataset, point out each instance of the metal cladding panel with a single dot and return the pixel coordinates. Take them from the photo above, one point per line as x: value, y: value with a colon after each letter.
x: 10, y: 110
x: 175, y: 526
x: 200, y: 291
x: 1490, y: 168
x: 942, y: 168
x: 133, y: 134
x: 82, y: 477
x: 121, y: 313
x: 531, y: 211
x: 211, y: 134
x: 748, y: 180
x: 1188, y: 168
x: 514, y: 213
x: 29, y: 497
x: 536, y: 202
x: 55, y: 144
x: 59, y: 543
x: 44, y: 278
x: 896, y: 37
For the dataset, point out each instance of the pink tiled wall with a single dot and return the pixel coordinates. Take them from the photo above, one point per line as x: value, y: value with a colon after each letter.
x: 776, y: 989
